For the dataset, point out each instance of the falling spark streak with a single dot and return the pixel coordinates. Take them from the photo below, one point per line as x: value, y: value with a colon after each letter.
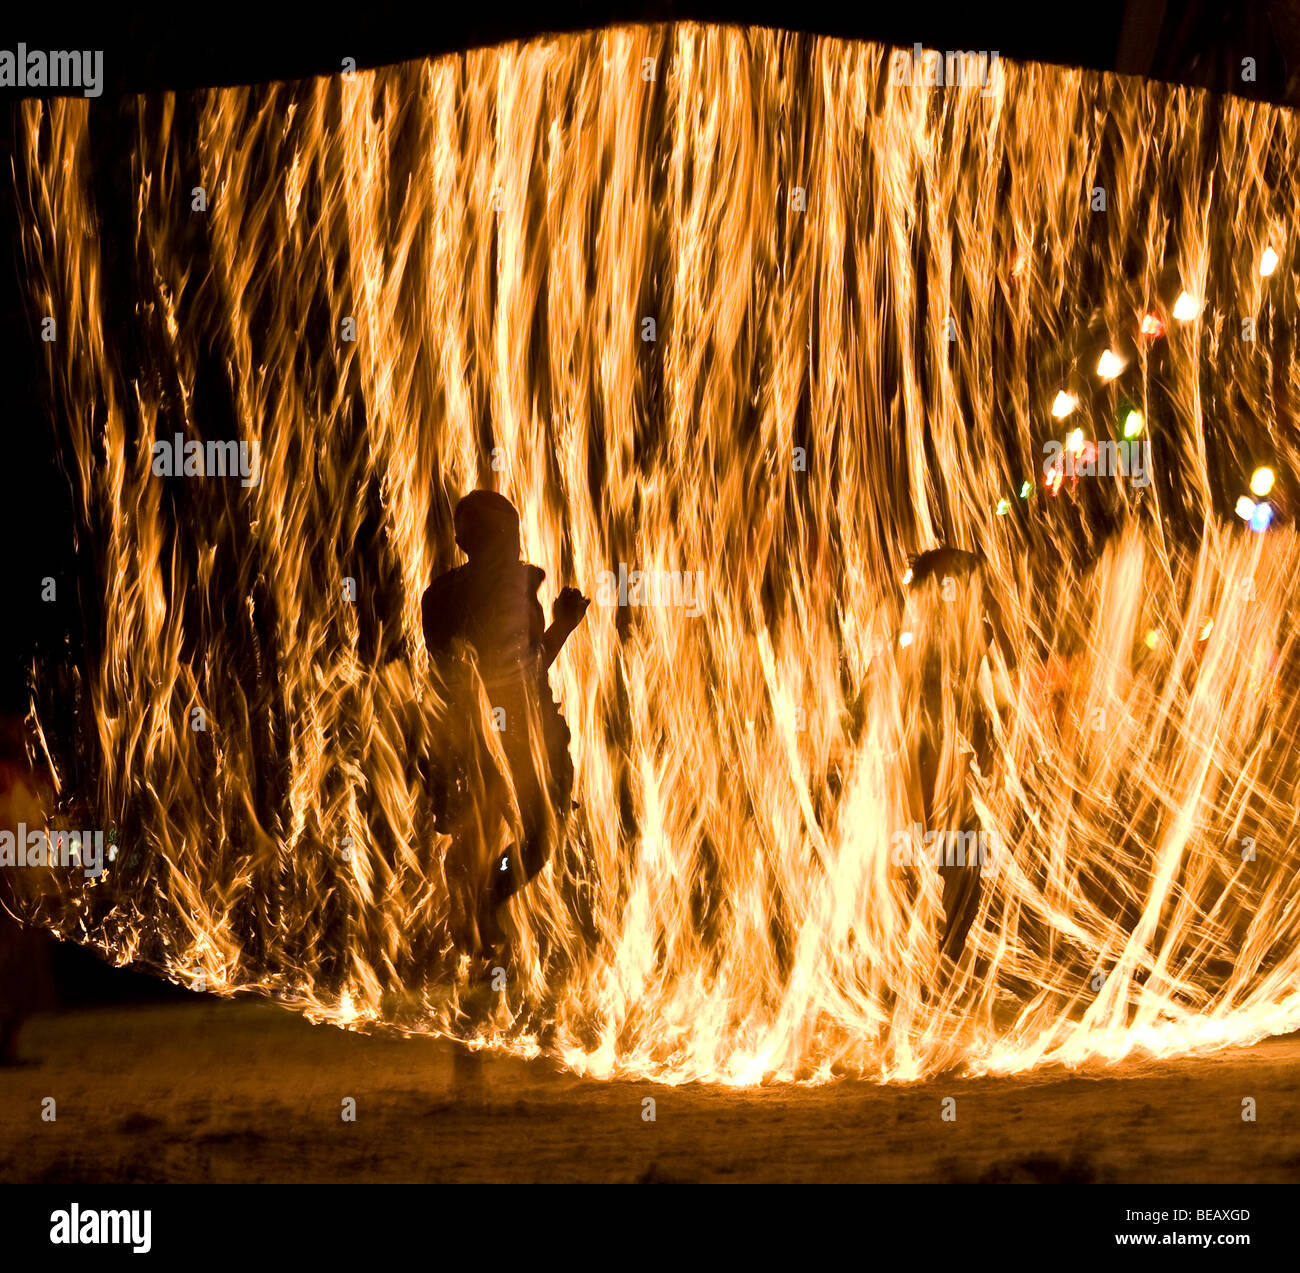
x: 498, y: 226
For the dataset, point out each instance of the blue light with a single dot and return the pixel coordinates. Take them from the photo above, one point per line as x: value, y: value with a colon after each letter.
x: 1261, y: 517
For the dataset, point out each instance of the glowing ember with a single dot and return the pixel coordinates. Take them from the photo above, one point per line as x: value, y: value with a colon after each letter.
x: 1109, y: 365
x: 1063, y: 404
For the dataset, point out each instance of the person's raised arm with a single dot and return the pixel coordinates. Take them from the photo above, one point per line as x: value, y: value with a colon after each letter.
x: 566, y: 614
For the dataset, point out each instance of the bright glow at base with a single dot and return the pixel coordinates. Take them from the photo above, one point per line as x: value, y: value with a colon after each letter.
x: 1186, y: 307
x: 1109, y: 365
x: 1267, y: 262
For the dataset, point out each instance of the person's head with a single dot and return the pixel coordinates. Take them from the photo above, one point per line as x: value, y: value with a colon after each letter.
x: 945, y: 607
x: 940, y: 563
x: 487, y: 527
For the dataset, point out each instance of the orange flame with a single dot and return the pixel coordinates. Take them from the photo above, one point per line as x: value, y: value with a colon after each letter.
x: 500, y: 228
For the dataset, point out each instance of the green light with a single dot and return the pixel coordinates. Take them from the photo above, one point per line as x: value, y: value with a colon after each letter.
x: 1004, y: 507
x: 1026, y: 490
x: 1134, y: 423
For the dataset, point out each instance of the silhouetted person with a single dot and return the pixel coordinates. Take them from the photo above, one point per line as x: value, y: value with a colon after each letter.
x: 954, y: 628
x: 485, y: 631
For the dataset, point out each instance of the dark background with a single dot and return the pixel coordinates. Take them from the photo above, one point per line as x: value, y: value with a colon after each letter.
x: 171, y: 45
x: 155, y: 46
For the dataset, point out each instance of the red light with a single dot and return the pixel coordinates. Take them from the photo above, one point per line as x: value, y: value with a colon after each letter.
x: 1151, y: 326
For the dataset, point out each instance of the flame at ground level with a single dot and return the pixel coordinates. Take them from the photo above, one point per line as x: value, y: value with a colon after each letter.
x: 699, y: 300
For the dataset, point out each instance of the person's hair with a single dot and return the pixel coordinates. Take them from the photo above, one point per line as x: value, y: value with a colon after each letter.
x: 945, y: 612
x: 487, y: 522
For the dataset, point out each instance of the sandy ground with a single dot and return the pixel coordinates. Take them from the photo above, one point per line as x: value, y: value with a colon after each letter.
x: 245, y: 1091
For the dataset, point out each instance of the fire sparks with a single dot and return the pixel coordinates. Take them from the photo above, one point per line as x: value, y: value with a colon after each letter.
x: 595, y: 288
